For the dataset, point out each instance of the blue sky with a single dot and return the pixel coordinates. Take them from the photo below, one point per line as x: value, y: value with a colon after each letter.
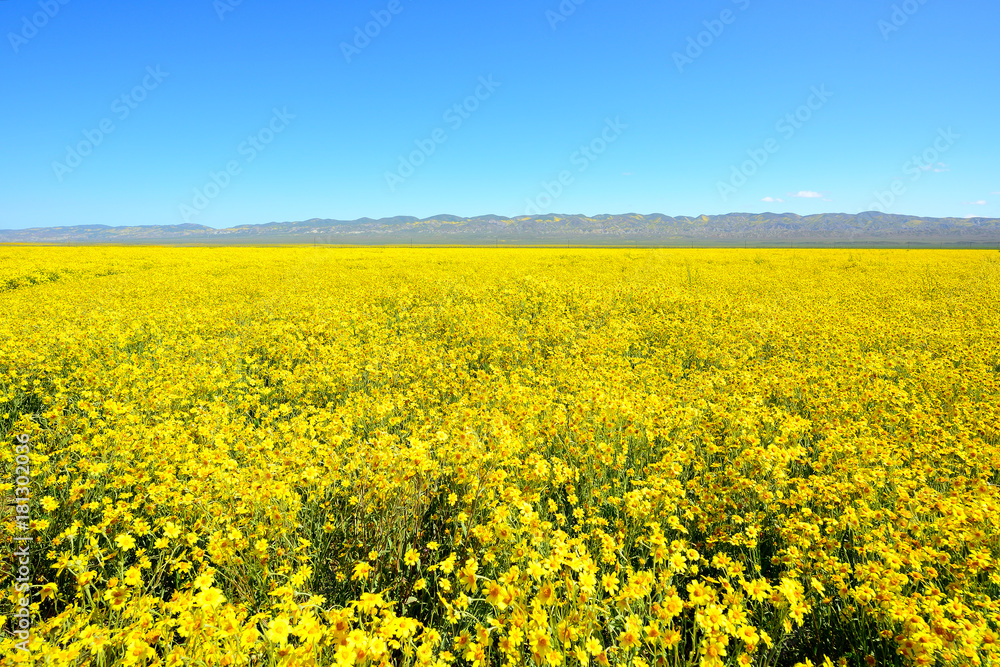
x: 226, y: 112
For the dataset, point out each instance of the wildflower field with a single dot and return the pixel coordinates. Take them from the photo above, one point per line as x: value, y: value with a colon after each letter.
x: 471, y: 457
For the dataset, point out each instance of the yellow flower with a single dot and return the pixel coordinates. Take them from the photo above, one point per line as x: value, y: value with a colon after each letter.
x: 747, y: 634
x: 370, y: 603
x: 125, y: 541
x: 699, y: 593
x: 278, y: 630
x: 117, y: 597
x: 361, y: 571
x: 133, y: 576
x: 613, y: 423
x: 48, y: 591
x: 629, y: 638
x: 138, y: 652
x: 210, y: 598
x: 493, y: 592
x: 204, y: 580
x: 448, y: 565
x: 546, y: 594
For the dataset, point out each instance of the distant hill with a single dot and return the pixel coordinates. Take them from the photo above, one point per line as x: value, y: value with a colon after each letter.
x: 629, y: 229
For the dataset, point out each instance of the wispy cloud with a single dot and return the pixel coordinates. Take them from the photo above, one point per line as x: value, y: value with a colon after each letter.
x: 941, y: 167
x: 806, y: 194
x: 772, y: 199
x: 981, y: 202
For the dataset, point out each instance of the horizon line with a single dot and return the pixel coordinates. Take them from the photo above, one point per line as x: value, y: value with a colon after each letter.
x: 491, y: 215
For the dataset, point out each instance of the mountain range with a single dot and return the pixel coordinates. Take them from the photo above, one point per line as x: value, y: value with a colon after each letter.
x: 628, y: 229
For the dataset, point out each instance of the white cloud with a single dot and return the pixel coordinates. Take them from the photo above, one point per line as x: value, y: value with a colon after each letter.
x: 995, y: 193
x: 981, y: 202
x: 806, y: 194
x: 626, y: 173
x: 941, y: 167
x: 773, y: 199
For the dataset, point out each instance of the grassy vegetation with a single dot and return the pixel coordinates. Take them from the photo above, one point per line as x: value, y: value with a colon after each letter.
x: 385, y: 456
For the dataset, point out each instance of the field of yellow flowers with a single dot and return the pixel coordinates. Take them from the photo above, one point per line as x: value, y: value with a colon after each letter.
x: 472, y: 457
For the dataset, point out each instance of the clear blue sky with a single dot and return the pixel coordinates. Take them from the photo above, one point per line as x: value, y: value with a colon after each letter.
x: 665, y: 123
